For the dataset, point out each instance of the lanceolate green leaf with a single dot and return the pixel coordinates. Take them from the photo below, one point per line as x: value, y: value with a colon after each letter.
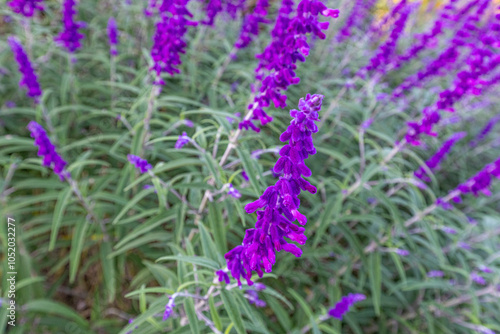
x: 233, y: 311
x: 62, y: 202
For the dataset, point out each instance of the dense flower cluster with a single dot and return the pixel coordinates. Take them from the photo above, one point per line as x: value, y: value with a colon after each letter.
x: 250, y: 26
x: 139, y: 163
x: 47, y: 150
x: 278, y: 205
x: 29, y: 79
x: 359, y: 13
x: 168, y: 41
x: 70, y: 37
x: 113, y: 36
x: 26, y: 7
x: 477, y: 184
x: 435, y: 160
x: 345, y: 303
x: 277, y: 64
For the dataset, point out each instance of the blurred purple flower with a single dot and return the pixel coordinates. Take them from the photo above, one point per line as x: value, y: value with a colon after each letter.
x: 182, y: 141
x: 435, y: 160
x: 449, y: 230
x: 233, y: 191
x: 244, y: 175
x: 70, y: 37
x: 169, y: 308
x: 47, y: 150
x: 10, y: 104
x: 279, y: 203
x: 253, y: 298
x: 464, y: 245
x: 360, y: 12
x: 485, y: 131
x: 366, y: 124
x: 343, y: 306
x: 485, y: 269
x: 29, y: 79
x: 139, y: 163
x: 250, y: 26
x: 478, y: 279
x: 402, y: 252
x: 26, y: 7
x: 113, y: 36
x: 188, y: 123
x: 435, y: 273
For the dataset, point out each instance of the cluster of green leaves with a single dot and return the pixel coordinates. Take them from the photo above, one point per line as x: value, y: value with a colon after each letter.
x: 83, y: 276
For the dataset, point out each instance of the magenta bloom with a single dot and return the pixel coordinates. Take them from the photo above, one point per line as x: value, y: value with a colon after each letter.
x: 70, y: 37
x: 26, y: 7
x: 139, y: 163
x: 233, y: 191
x: 343, y: 306
x: 478, y: 279
x: 277, y: 64
x: 214, y: 7
x: 113, y: 36
x: 169, y: 309
x: 360, y: 12
x: 29, y: 79
x: 47, y: 150
x: 169, y: 41
x: 277, y: 208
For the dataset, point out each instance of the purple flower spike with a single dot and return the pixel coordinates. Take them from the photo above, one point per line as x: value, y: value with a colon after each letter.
x: 277, y: 64
x: 277, y: 208
x: 253, y: 298
x: 366, y: 124
x: 433, y: 162
x: 485, y: 269
x: 139, y: 163
x: 343, y: 306
x: 47, y: 150
x: 402, y: 252
x: 29, y: 79
x: 113, y: 36
x: 169, y: 308
x: 26, y: 7
x: 233, y: 191
x: 478, y: 279
x: 223, y: 276
x: 435, y: 273
x: 169, y: 41
x: 244, y: 176
x: 182, y: 141
x: 250, y: 27
x: 360, y: 12
x: 70, y: 37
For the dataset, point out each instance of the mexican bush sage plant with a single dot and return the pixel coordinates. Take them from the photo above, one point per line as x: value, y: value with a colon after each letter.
x: 29, y: 80
x: 277, y: 208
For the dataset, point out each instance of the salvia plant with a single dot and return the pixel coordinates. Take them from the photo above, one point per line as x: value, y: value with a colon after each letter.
x: 250, y: 166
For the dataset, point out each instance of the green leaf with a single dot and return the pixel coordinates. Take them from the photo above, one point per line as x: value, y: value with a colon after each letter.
x: 375, y: 274
x: 217, y: 227
x: 207, y: 243
x: 233, y: 311
x: 198, y: 260
x: 108, y: 270
x: 62, y: 202
x: 215, y: 315
x: 77, y: 242
x: 191, y: 314
x: 51, y: 307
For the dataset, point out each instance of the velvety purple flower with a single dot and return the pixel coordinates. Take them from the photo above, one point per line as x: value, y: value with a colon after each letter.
x: 345, y: 303
x: 169, y: 308
x: 169, y: 38
x: 277, y: 64
x: 29, y: 78
x: 435, y: 160
x: 277, y: 208
x: 113, y: 36
x: 26, y: 7
x: 244, y: 175
x: 139, y: 163
x: 223, y: 276
x: 359, y: 14
x: 478, y: 279
x: 214, y: 7
x: 251, y: 22
x: 182, y: 141
x: 70, y: 36
x: 435, y: 273
x: 402, y: 252
x: 233, y: 191
x: 48, y: 151
x: 471, y: 220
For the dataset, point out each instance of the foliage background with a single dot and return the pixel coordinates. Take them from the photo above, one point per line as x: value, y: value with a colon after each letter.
x: 72, y: 277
